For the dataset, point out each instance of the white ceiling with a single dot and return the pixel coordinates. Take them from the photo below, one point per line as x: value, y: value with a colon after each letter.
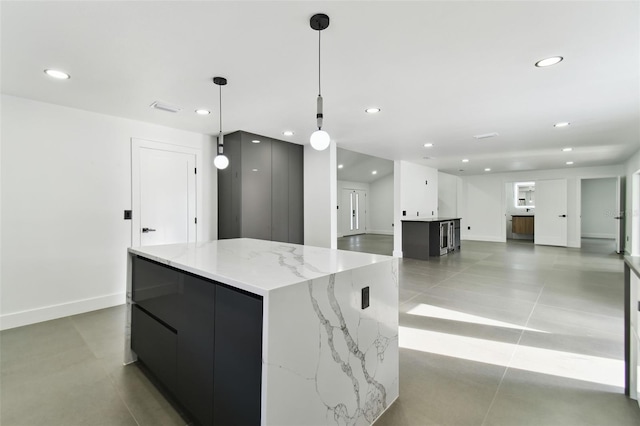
x: 358, y: 167
x: 441, y: 72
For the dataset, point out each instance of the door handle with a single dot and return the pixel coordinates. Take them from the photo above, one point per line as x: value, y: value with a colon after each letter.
x: 145, y: 230
x: 618, y: 217
x: 562, y: 215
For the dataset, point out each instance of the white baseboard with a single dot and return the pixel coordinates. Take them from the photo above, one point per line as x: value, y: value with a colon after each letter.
x: 482, y: 238
x: 598, y: 235
x: 46, y: 313
x: 380, y: 232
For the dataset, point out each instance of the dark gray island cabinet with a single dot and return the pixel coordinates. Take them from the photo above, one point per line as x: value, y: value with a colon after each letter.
x: 424, y: 238
x: 253, y: 332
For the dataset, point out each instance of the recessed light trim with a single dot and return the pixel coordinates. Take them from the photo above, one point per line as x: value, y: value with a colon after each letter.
x: 569, y: 163
x: 372, y: 110
x: 340, y: 166
x: 567, y: 149
x: 60, y: 75
x: 465, y: 160
x: 562, y: 124
x: 203, y: 112
x: 547, y: 62
x: 255, y: 141
x: 375, y: 172
x: 487, y: 169
x: 288, y: 133
x: 428, y: 145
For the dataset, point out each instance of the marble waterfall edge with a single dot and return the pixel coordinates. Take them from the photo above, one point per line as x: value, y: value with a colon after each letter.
x: 327, y: 360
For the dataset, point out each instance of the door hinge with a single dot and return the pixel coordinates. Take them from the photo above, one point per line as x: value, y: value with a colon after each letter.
x: 195, y: 220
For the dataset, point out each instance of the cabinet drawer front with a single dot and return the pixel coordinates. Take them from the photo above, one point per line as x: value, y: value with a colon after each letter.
x: 156, y: 288
x: 156, y: 346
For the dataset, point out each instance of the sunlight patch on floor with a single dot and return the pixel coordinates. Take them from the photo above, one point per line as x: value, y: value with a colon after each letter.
x: 587, y: 368
x: 448, y: 314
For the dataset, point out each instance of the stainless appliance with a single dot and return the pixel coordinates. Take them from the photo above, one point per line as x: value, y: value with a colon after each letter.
x: 447, y: 237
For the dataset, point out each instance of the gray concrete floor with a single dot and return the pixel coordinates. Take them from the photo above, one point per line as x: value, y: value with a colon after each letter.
x: 496, y: 334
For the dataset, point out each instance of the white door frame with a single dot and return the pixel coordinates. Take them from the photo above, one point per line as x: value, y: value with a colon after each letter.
x: 136, y: 146
x: 634, y: 232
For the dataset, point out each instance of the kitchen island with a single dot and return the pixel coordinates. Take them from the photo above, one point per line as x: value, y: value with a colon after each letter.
x: 246, y: 331
x: 426, y: 237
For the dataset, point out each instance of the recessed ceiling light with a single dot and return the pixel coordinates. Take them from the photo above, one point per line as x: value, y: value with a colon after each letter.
x: 569, y: 163
x: 487, y: 169
x: 375, y: 172
x: 340, y: 166
x: 372, y: 110
x: 547, y: 62
x: 567, y: 149
x: 254, y: 170
x: 61, y: 75
x: 466, y: 160
x: 203, y: 112
x: 255, y: 141
x: 287, y: 133
x: 428, y: 145
x: 486, y: 135
x: 562, y: 124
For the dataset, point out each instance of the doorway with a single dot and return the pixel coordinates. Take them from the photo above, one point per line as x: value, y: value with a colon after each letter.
x: 164, y: 193
x: 600, y: 217
x: 354, y: 212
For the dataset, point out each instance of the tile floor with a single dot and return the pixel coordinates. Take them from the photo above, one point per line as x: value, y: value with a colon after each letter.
x: 496, y: 334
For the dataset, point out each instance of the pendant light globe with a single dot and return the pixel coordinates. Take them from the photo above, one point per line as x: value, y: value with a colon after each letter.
x: 320, y: 140
x: 221, y: 161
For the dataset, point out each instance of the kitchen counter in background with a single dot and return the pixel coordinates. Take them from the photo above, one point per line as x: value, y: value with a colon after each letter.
x: 428, y: 237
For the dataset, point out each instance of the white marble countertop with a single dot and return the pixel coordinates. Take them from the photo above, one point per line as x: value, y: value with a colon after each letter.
x: 634, y: 263
x: 257, y: 266
x: 430, y: 219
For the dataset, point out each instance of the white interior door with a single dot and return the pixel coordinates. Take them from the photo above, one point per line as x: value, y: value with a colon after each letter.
x: 551, y: 212
x: 354, y: 211
x: 164, y: 195
x: 619, y: 214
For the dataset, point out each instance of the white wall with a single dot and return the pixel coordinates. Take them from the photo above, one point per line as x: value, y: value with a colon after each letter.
x: 66, y: 180
x: 598, y: 209
x: 483, y: 203
x: 343, y: 211
x: 416, y: 193
x: 632, y: 213
x: 381, y: 206
x: 320, y: 199
x: 448, y: 186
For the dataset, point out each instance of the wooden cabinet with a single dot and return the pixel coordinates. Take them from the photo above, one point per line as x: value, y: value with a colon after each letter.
x: 260, y: 193
x: 522, y: 225
x: 210, y: 356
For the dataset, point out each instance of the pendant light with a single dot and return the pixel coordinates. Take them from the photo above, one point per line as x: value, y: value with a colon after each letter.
x: 221, y: 161
x: 320, y: 139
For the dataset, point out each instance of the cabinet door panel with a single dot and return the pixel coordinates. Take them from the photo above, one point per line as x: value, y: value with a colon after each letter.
x: 155, y: 345
x: 155, y: 287
x: 296, y: 178
x: 195, y: 348
x: 238, y: 358
x: 256, y: 189
x: 279, y: 191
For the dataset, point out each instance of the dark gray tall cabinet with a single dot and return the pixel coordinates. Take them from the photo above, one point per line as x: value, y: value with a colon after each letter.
x: 260, y: 193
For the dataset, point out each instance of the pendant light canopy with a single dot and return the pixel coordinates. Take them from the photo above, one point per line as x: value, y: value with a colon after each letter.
x: 320, y: 139
x: 221, y: 161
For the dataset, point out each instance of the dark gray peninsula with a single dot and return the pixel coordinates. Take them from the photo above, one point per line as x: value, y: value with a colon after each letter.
x: 436, y: 236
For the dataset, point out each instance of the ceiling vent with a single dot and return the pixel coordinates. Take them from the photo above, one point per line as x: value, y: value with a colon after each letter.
x: 165, y: 106
x: 486, y: 135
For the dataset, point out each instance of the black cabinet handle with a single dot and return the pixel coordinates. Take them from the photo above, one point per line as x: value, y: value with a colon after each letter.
x: 145, y: 230
x: 562, y: 215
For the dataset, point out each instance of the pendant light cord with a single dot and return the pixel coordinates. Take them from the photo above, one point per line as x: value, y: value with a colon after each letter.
x: 220, y: 108
x: 319, y: 87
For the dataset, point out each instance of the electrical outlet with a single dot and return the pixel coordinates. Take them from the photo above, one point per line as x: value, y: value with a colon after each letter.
x: 365, y: 297
x: 468, y: 228
x: 404, y: 212
x: 127, y: 215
